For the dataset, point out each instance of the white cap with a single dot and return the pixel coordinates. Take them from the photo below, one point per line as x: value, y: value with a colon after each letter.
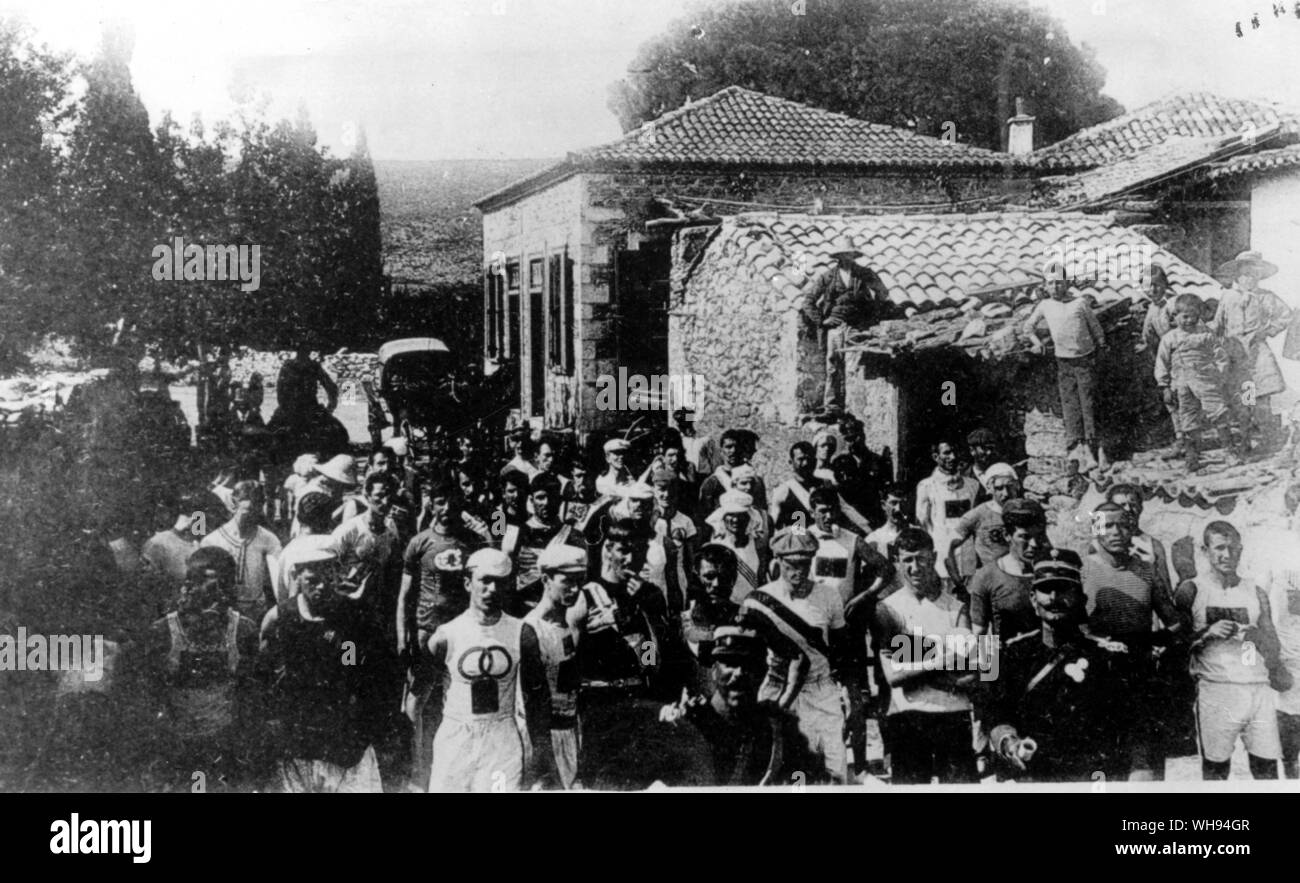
x: 637, y: 490
x: 735, y: 502
x: 397, y: 445
x: 998, y: 470
x: 310, y: 550
x: 743, y: 471
x: 565, y: 558
x: 617, y: 444
x: 490, y: 562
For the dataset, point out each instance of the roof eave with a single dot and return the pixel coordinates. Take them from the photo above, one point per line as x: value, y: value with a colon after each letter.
x: 527, y: 186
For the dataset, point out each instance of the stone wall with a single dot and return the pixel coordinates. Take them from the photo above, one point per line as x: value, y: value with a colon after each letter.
x: 348, y: 369
x: 631, y: 192
x: 736, y: 331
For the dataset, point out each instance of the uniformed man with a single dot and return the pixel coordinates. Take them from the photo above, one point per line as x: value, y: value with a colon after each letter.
x: 802, y: 622
x: 749, y: 741
x: 488, y: 659
x: 555, y: 621
x: 1055, y: 712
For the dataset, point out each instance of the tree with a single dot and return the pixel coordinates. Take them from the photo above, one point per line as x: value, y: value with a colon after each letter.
x: 903, y: 63
x: 356, y: 244
x: 110, y: 204
x: 33, y: 89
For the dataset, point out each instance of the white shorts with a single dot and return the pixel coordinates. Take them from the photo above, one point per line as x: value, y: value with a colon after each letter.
x: 477, y: 756
x: 821, y: 720
x: 323, y: 777
x: 1226, y: 711
x: 564, y: 745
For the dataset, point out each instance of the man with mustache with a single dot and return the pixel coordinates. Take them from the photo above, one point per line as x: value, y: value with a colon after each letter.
x: 1051, y: 711
x: 749, y: 741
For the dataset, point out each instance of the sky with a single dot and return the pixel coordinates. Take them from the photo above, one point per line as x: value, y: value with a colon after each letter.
x: 450, y: 79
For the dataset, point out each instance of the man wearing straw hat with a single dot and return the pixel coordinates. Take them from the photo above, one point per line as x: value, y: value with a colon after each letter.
x: 842, y: 299
x: 1251, y: 315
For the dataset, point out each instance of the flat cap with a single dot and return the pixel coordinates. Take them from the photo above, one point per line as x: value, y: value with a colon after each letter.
x: 617, y: 444
x: 562, y: 559
x: 489, y: 562
x: 789, y: 541
x: 735, y: 502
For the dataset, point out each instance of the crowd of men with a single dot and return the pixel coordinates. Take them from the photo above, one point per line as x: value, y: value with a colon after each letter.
x: 534, y: 619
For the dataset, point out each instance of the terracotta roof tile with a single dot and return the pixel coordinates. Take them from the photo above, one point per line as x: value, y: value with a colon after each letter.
x: 1192, y: 114
x: 942, y: 261
x: 1264, y: 160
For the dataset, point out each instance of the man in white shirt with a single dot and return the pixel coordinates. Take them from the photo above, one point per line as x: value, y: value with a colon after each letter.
x: 804, y: 628
x: 254, y: 548
x: 616, y: 473
x: 941, y: 500
x: 1233, y: 696
x: 929, y: 721
x: 1076, y: 337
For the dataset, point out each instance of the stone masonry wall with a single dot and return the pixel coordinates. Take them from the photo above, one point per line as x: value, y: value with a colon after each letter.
x: 631, y: 191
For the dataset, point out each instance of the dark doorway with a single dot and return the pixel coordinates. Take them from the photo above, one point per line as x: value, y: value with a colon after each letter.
x: 640, y: 309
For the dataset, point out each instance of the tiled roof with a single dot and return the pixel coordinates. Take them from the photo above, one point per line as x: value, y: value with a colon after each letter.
x: 1263, y: 161
x: 1113, y: 178
x: 743, y: 127
x: 740, y: 127
x: 1191, y: 115
x: 950, y: 269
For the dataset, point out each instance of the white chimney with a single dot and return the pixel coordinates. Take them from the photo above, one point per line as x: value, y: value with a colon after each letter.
x: 1020, y: 131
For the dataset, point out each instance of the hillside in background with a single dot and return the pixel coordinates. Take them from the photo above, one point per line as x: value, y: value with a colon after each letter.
x: 432, y: 233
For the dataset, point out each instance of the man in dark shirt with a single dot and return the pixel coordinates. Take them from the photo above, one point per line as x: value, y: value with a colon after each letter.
x: 320, y: 646
x: 1001, y: 600
x: 432, y: 593
x: 1057, y: 712
x: 1123, y: 593
x: 631, y: 662
x: 748, y: 742
x: 844, y: 298
x: 295, y: 389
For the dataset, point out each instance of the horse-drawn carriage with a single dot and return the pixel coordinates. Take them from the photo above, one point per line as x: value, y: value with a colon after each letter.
x: 432, y: 396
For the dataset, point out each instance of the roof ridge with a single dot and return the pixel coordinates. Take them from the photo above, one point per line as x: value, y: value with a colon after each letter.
x: 1171, y: 100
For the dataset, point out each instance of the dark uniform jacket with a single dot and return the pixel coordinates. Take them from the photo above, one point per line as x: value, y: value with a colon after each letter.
x: 1066, y: 699
x: 759, y: 746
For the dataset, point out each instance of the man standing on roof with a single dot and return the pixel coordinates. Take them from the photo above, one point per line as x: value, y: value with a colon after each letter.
x: 1251, y: 315
x: 843, y: 299
x: 1076, y: 337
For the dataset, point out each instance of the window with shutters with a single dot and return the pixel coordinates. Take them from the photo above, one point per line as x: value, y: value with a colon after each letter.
x: 511, y: 345
x: 559, y: 312
x: 494, y: 325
